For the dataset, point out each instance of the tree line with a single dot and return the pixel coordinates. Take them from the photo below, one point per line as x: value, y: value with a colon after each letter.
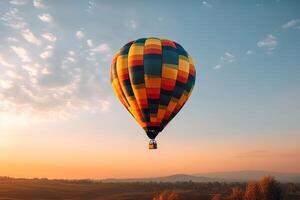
x: 266, y: 189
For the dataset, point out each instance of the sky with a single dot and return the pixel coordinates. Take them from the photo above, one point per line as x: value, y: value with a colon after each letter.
x: 59, y: 117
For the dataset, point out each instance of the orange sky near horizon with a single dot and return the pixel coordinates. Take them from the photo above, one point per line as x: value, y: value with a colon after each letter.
x: 33, y: 154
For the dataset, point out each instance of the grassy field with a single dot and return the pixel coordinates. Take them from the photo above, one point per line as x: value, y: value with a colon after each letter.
x: 87, y: 189
x: 62, y: 189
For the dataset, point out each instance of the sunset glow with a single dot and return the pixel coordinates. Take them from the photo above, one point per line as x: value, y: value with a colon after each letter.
x: 59, y: 117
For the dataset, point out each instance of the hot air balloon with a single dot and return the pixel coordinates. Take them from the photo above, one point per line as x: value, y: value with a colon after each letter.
x: 153, y: 78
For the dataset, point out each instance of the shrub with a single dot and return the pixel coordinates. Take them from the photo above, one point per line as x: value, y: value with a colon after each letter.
x: 236, y: 194
x: 270, y: 189
x: 253, y: 191
x: 167, y: 195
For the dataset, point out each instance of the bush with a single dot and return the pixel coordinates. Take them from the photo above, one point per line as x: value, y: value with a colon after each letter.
x: 167, y: 195
x: 253, y: 191
x: 236, y: 194
x: 270, y: 189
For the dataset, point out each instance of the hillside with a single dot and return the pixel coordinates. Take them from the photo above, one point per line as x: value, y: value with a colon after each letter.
x: 233, y: 176
x: 249, y: 175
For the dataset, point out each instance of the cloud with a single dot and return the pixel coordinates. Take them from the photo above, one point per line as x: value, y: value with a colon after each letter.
x: 12, y: 75
x: 206, y: 4
x: 12, y: 39
x: 71, y: 53
x: 49, y: 36
x: 49, y: 47
x: 6, y: 84
x: 53, y: 92
x: 71, y: 57
x: 12, y: 19
x: 90, y: 43
x: 225, y: 59
x: 38, y: 4
x: 46, y: 54
x: 101, y: 48
x: 91, y: 5
x: 65, y: 84
x: 249, y: 52
x: 133, y: 24
x: 218, y: 66
x: 228, y: 57
x: 45, y: 17
x: 292, y: 23
x: 269, y: 43
x: 18, y: 2
x: 31, y: 69
x: 4, y: 63
x: 80, y: 34
x: 30, y: 37
x: 45, y: 79
x: 21, y: 53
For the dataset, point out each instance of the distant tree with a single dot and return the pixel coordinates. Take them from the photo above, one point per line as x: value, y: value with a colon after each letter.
x: 217, y: 197
x: 167, y: 195
x: 253, y: 191
x: 236, y: 194
x: 270, y: 189
x: 291, y: 188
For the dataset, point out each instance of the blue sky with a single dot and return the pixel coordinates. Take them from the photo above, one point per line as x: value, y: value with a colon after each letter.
x: 54, y: 78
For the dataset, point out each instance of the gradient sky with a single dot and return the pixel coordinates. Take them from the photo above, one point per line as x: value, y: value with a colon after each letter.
x: 59, y: 117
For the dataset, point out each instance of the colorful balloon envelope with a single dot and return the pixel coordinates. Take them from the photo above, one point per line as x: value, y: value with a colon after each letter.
x: 153, y: 78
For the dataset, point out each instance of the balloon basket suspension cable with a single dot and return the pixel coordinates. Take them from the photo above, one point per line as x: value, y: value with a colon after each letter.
x: 152, y: 144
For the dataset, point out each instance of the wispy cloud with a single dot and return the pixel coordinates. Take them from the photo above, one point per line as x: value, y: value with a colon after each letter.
x: 49, y: 36
x: 21, y: 53
x: 249, y: 52
x: 206, y: 4
x: 12, y: 19
x: 269, y: 43
x: 133, y: 24
x: 46, y: 17
x: 13, y: 75
x: 294, y: 23
x: 52, y: 91
x: 71, y: 57
x: 46, y: 54
x: 228, y: 57
x: 18, y: 2
x: 225, y: 59
x: 57, y: 87
x: 47, y: 79
x: 12, y: 39
x: 4, y: 63
x: 101, y: 48
x: 90, y: 43
x: 218, y: 66
x: 6, y: 84
x: 38, y: 4
x: 30, y: 37
x: 80, y: 35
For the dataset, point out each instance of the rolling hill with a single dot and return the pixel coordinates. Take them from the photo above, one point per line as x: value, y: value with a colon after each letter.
x: 232, y: 176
